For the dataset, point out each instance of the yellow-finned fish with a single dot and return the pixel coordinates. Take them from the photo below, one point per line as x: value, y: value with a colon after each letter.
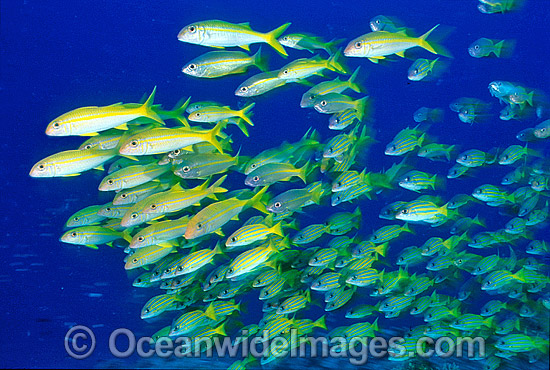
x: 222, y: 63
x: 377, y: 45
x: 88, y: 121
x: 215, y: 114
x: 163, y: 140
x: 220, y: 34
x: 72, y: 162
x: 131, y: 176
x: 214, y: 216
x: 302, y: 68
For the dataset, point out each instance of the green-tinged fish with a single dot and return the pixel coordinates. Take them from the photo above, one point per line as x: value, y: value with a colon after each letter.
x: 172, y: 200
x: 424, y: 114
x: 159, y: 304
x: 514, y: 153
x: 147, y: 255
x: 417, y: 181
x: 483, y: 47
x: 140, y: 192
x: 252, y: 233
x: 273, y: 172
x: 250, y: 260
x: 195, y: 260
x: 294, y: 303
x: 303, y: 68
x: 327, y: 281
x: 492, y: 195
x: 218, y: 113
x: 294, y: 199
x: 220, y: 34
x: 192, y: 320
x: 160, y: 233
x: 522, y: 343
x: 222, y: 63
x: 132, y: 176
x: 422, y: 210
x: 404, y: 142
x: 214, y: 216
x: 90, y: 120
x: 114, y: 211
x: 86, y: 216
x: 72, y: 162
x: 300, y: 41
x: 260, y: 84
x: 90, y: 236
x: 335, y: 86
x: 104, y: 141
x: 343, y: 119
x: 163, y: 140
x: 309, y: 234
x: 422, y: 68
x: 379, y: 44
x: 335, y: 102
x: 204, y: 165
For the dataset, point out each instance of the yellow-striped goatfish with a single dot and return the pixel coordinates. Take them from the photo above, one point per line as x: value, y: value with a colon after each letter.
x: 220, y: 34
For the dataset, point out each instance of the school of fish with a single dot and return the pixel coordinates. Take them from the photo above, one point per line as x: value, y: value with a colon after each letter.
x: 200, y: 246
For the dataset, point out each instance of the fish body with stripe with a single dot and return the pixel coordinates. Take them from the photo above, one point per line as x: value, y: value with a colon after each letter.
x: 160, y: 232
x: 146, y: 256
x: 326, y: 87
x: 90, y: 236
x: 132, y: 176
x: 221, y: 63
x: 71, y: 162
x: 220, y: 34
x: 90, y: 120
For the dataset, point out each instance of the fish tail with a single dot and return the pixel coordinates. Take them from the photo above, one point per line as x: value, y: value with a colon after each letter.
x: 256, y: 200
x: 449, y: 151
x: 147, y: 108
x: 381, y: 249
x: 271, y: 39
x: 179, y: 110
x: 302, y: 173
x: 320, y: 323
x: 211, y: 136
x: 436, y: 115
x: 432, y: 46
x: 330, y: 46
x: 260, y: 60
x: 498, y: 48
x: 335, y: 65
x: 278, y: 229
x: 243, y: 128
x: 351, y: 82
x: 216, y: 187
x: 127, y: 236
x: 361, y: 107
x: 243, y: 113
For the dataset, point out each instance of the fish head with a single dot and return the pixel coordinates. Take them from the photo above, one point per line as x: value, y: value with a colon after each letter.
x: 254, y: 180
x: 188, y: 172
x: 43, y: 169
x: 416, y: 72
x: 58, y: 128
x: 139, y: 241
x: 74, y: 237
x: 289, y: 40
x: 110, y: 183
x: 391, y: 149
x: 194, y: 69
x: 132, y: 263
x: 133, y: 218
x: 196, y: 228
x: 358, y: 48
x: 335, y: 199
x: 244, y: 90
x: 308, y: 100
x: 480, y: 48
x: 321, y: 105
x: 193, y: 33
x: 276, y: 206
x: 134, y: 146
x: 199, y: 116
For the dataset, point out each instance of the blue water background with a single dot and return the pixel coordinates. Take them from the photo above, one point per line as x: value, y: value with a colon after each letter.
x: 59, y: 55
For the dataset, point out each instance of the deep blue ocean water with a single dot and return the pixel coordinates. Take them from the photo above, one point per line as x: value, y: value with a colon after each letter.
x: 57, y: 56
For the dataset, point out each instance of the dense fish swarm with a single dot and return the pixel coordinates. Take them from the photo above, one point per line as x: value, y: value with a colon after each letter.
x: 172, y: 206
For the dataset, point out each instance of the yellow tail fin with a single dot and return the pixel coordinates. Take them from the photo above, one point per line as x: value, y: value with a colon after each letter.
x: 271, y: 39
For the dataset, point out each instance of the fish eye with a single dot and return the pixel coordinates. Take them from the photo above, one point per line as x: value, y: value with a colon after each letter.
x: 329, y: 150
x: 407, y: 179
x: 323, y: 103
x: 459, y: 261
x: 73, y: 234
x: 404, y: 211
x: 165, y: 271
x: 134, y: 215
x: 400, y: 259
x: 386, y: 304
x: 135, y: 260
x: 312, y: 97
x: 415, y: 71
x: 123, y: 195
x: 134, y: 143
x: 41, y: 166
x: 253, y: 165
x: 108, y: 209
x: 285, y: 72
x: 192, y: 29
x: 476, y: 47
x: 110, y: 182
x: 392, y: 147
x: 233, y: 239
x: 358, y: 44
x: 354, y: 277
x: 479, y: 191
x: 88, y: 146
x: 429, y: 315
x: 140, y: 238
x: 197, y: 114
x: 180, y: 268
x: 338, y: 198
x: 504, y: 157
x: 244, y: 89
x: 153, y: 206
x: 256, y: 178
x: 75, y: 219
x: 285, y: 38
x: 225, y: 291
x: 147, y: 310
x: 464, y: 158
x: 489, y: 282
x: 176, y: 152
x: 192, y: 66
x: 56, y: 124
x: 186, y: 169
x: 277, y: 204
x: 199, y: 226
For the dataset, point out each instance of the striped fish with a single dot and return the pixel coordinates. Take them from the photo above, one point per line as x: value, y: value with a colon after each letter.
x: 71, y: 162
x: 260, y: 84
x: 132, y: 176
x: 159, y: 304
x: 326, y: 87
x: 146, y: 256
x: 160, y: 233
x: 294, y: 303
x: 86, y: 216
x: 216, y: 33
x: 221, y: 63
x: 90, y: 236
x: 252, y: 233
